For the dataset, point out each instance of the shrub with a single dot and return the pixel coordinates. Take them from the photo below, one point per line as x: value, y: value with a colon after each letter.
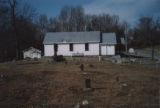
x: 59, y: 58
x: 27, y: 58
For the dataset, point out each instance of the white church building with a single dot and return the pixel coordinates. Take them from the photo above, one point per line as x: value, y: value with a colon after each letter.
x: 91, y: 43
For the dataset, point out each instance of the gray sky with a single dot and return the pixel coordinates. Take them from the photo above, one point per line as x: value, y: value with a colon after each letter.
x: 129, y: 10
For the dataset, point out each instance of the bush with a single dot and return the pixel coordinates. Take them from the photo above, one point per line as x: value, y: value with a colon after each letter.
x: 27, y: 58
x: 59, y: 58
x: 35, y: 58
x: 91, y: 66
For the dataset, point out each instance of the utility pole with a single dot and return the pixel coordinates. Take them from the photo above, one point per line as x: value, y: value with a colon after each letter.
x: 126, y: 47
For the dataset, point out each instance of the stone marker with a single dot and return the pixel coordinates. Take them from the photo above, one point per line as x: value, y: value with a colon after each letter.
x: 81, y: 67
x: 88, y: 83
x: 117, y: 79
x: 100, y: 58
x: 1, y: 75
x: 124, y: 85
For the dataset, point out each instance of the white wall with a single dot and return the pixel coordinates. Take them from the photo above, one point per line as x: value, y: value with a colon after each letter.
x: 104, y: 50
x: 107, y: 50
x: 110, y: 50
x: 48, y: 50
x: 30, y: 54
x: 63, y: 49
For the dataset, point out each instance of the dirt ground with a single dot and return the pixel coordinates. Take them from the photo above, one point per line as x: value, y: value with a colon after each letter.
x: 47, y: 84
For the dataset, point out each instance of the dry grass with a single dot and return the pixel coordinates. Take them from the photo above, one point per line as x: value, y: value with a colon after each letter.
x: 43, y: 83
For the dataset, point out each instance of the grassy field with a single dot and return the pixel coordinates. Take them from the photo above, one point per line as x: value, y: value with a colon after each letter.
x: 47, y: 84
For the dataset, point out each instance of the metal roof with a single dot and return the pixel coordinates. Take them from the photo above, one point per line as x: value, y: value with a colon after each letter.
x: 109, y: 38
x: 32, y: 49
x: 72, y: 37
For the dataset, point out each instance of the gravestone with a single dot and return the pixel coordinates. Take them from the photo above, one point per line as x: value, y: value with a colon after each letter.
x: 81, y: 67
x: 124, y: 85
x: 88, y: 83
x: 144, y: 62
x: 100, y: 58
x: 117, y: 79
x: 1, y: 75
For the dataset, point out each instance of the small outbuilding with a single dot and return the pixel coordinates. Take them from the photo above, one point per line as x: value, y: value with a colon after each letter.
x: 31, y: 53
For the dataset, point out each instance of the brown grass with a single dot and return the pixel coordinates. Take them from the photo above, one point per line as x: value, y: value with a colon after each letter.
x: 43, y: 83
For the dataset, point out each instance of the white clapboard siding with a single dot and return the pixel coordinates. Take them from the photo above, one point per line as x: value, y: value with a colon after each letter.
x: 64, y: 49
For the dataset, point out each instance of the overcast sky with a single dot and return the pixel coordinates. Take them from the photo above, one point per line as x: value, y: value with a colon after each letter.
x: 129, y: 10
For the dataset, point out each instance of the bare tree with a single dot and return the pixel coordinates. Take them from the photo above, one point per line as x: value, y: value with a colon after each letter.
x: 125, y: 27
x: 42, y: 26
x: 146, y: 31
x: 13, y: 4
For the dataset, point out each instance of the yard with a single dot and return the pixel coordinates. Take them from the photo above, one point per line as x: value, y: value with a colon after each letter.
x: 47, y: 84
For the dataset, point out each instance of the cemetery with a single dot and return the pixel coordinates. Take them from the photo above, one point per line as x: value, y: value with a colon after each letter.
x: 80, y: 83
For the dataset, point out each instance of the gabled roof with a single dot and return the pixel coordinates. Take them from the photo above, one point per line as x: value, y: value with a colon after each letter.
x: 32, y: 49
x: 109, y: 38
x: 72, y: 37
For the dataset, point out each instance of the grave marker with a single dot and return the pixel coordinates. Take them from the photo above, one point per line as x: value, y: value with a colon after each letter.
x: 81, y: 67
x: 88, y: 83
x: 117, y: 79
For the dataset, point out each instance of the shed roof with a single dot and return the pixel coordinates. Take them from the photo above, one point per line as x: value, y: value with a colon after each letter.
x: 109, y: 38
x: 72, y: 37
x: 32, y: 49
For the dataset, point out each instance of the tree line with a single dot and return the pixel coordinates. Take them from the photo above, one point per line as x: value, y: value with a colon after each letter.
x: 21, y: 27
